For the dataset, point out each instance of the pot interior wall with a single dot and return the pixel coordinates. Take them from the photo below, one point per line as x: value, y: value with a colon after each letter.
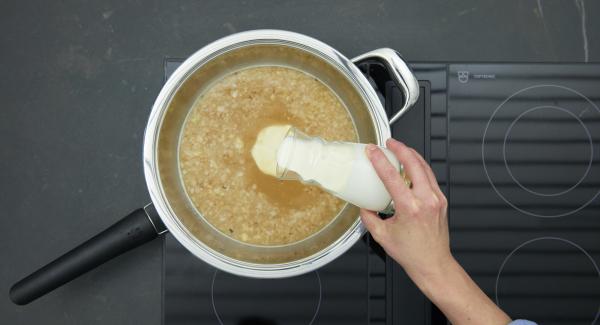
x: 182, y: 99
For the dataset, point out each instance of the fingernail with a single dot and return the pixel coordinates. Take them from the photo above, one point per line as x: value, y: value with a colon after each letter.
x: 394, y: 141
x: 370, y: 149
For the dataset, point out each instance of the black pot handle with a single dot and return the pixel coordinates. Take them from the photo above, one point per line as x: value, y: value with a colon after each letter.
x: 137, y: 228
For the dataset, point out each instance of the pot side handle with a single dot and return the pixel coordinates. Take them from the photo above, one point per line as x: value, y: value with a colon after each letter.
x: 400, y: 74
x: 135, y: 229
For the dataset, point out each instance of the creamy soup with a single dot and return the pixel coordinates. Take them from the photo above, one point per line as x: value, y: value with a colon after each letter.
x: 219, y: 173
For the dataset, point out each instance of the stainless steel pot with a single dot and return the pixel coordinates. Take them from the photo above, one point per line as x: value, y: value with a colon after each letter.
x: 172, y: 210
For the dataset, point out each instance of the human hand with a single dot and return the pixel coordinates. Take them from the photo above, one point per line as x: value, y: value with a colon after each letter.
x: 417, y: 238
x: 417, y: 235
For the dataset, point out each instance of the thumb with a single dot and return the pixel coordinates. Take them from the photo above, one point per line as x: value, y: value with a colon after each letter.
x: 375, y: 225
x: 393, y: 182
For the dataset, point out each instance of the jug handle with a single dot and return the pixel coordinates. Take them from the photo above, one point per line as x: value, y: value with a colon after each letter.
x: 400, y: 73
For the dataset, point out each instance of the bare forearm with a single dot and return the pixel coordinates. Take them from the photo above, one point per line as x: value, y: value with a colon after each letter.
x: 458, y: 297
x: 417, y: 238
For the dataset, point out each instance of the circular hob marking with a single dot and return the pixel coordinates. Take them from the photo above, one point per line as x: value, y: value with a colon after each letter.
x: 510, y: 172
x: 585, y: 129
x: 596, y: 269
x: 255, y: 300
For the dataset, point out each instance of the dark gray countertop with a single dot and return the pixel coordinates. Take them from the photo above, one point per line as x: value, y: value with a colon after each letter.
x: 79, y: 79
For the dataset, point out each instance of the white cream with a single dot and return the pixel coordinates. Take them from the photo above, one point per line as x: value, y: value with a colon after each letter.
x: 329, y: 165
x: 265, y: 148
x: 341, y: 168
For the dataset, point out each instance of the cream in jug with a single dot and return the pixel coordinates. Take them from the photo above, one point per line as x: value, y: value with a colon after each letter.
x: 341, y: 168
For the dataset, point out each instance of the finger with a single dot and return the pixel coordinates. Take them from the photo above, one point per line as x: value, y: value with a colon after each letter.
x: 412, y: 166
x: 391, y: 178
x: 375, y: 225
x: 432, y: 180
x: 430, y: 176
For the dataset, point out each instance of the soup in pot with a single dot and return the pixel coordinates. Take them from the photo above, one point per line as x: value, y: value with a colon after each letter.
x: 217, y: 168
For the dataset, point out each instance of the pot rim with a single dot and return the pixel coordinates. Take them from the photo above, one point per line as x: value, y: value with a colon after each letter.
x: 151, y: 171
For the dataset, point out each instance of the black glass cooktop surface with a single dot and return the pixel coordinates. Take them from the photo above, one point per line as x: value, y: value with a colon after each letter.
x: 524, y: 175
x: 515, y: 148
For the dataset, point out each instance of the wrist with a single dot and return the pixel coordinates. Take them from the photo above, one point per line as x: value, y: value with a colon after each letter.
x: 432, y: 279
x: 451, y: 289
